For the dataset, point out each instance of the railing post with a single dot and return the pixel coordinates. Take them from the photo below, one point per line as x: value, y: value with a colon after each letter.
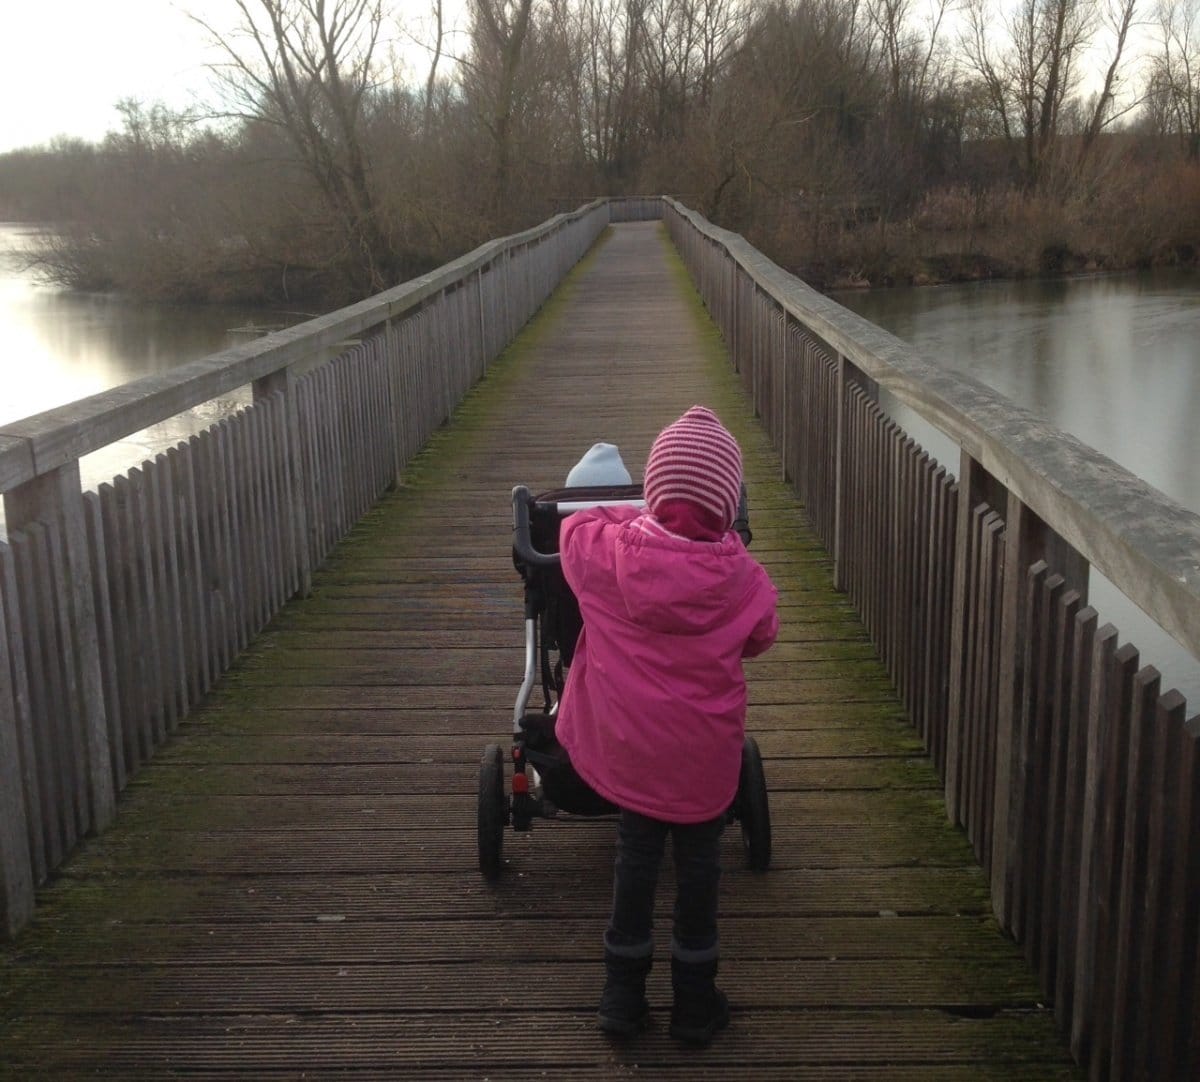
x: 57, y: 497
x: 283, y: 381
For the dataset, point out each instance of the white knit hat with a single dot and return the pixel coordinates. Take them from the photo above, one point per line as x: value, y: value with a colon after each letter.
x: 696, y: 459
x: 601, y: 465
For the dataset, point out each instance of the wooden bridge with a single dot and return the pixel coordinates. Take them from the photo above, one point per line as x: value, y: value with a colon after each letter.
x: 247, y: 822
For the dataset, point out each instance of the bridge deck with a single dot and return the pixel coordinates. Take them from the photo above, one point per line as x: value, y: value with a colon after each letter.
x: 291, y: 886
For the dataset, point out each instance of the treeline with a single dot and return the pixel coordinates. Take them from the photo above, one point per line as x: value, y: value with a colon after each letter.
x: 853, y: 140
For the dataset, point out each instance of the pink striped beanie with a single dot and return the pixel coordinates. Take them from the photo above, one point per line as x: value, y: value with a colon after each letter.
x: 695, y: 459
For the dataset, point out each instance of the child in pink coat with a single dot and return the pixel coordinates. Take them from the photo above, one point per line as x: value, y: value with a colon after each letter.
x: 653, y: 713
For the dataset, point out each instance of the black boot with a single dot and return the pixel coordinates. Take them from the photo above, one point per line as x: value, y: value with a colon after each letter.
x: 700, y: 1009
x: 624, y: 1009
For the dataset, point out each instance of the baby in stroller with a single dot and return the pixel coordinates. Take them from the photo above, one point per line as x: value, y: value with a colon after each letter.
x: 649, y: 698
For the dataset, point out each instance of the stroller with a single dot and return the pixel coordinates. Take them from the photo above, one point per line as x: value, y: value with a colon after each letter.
x: 552, y: 627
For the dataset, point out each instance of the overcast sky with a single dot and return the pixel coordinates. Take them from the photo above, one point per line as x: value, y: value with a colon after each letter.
x: 65, y: 63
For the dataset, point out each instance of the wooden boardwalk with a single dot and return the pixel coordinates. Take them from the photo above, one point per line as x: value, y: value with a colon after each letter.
x: 291, y: 890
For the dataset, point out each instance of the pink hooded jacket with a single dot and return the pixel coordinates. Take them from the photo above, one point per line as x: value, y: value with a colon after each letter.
x: 653, y: 713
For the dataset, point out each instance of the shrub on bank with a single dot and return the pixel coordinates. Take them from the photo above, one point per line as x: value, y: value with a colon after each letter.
x: 957, y: 233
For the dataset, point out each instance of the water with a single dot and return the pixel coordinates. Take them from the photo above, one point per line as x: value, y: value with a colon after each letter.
x: 56, y: 347
x: 1113, y: 360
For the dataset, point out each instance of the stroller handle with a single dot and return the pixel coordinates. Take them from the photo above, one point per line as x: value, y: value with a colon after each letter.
x: 522, y: 541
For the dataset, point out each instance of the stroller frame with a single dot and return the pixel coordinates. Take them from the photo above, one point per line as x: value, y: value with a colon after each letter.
x: 552, y: 625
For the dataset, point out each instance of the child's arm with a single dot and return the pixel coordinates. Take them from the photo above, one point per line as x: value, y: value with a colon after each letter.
x: 767, y: 627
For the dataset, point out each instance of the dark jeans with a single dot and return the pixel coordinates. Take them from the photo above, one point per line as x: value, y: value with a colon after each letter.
x: 640, y: 845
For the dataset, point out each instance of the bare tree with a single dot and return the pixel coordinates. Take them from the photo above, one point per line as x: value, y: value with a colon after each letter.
x: 306, y: 67
x: 500, y: 30
x: 1033, y: 71
x: 1119, y: 18
x: 431, y: 81
x: 1175, y: 70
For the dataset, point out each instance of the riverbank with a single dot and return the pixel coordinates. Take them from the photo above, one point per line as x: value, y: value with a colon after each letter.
x: 890, y: 270
x: 964, y: 234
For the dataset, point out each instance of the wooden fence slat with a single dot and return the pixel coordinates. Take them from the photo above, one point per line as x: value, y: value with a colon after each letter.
x: 1082, y: 654
x: 166, y: 607
x: 190, y: 573
x: 1156, y: 965
x: 108, y: 646
x: 23, y: 711
x: 16, y: 859
x: 1109, y: 867
x: 1036, y: 723
x: 115, y: 542
x: 1021, y: 780
x: 148, y: 626
x: 1134, y: 778
x: 238, y: 584
x: 138, y: 681
x: 39, y: 668
x: 1057, y: 749
x: 72, y: 725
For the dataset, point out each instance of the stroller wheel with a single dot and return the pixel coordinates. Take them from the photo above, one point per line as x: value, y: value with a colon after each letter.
x: 752, y: 807
x: 493, y: 811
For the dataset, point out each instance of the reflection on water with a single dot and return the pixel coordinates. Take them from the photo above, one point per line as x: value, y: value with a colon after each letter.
x: 56, y: 347
x: 1113, y: 360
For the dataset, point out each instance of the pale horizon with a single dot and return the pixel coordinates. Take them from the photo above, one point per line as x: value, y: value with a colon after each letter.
x: 69, y: 62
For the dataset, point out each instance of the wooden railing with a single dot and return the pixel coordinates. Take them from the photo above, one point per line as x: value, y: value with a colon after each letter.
x: 119, y: 608
x: 1076, y: 779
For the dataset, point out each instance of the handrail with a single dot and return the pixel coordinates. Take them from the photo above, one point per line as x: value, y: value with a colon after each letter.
x: 1144, y: 542
x: 43, y: 442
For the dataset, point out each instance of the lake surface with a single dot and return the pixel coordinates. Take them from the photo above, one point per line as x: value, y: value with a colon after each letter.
x: 56, y: 347
x: 1114, y: 360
